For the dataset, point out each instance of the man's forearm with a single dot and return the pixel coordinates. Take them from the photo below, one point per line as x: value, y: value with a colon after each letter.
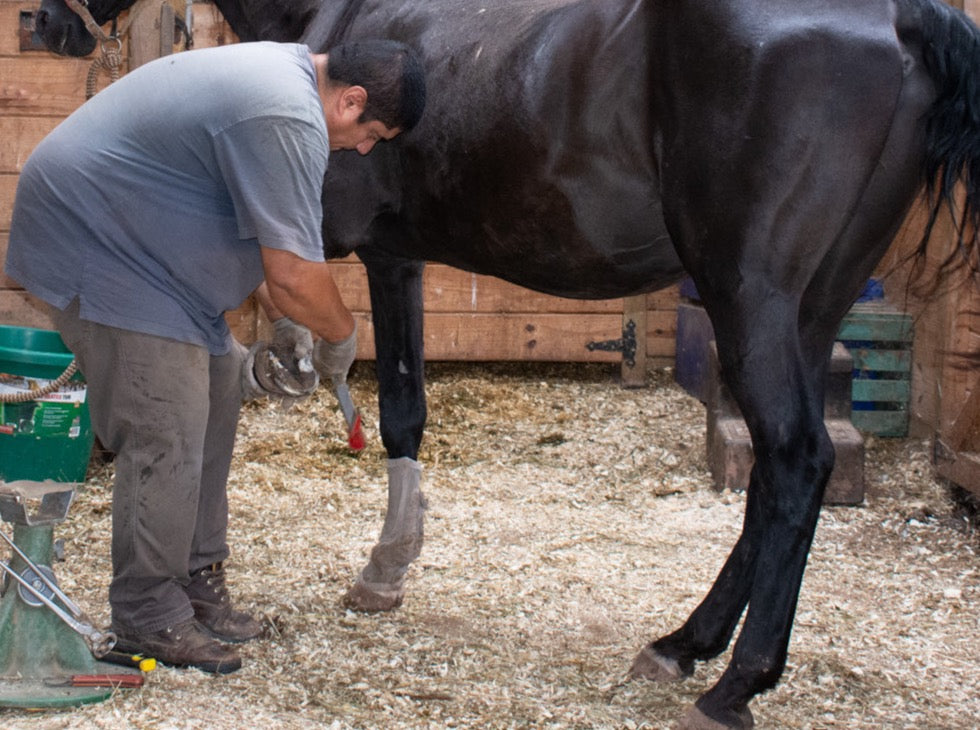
x: 306, y: 292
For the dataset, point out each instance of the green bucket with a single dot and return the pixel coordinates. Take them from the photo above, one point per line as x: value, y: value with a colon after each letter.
x: 47, y: 438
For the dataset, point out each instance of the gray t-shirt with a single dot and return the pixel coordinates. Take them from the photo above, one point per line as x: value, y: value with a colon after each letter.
x: 151, y: 201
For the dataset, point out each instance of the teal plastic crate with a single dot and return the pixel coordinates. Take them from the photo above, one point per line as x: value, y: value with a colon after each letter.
x: 879, y: 338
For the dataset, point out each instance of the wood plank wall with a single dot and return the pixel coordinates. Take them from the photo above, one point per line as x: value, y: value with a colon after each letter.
x: 945, y: 400
x: 467, y: 317
x: 474, y: 317
x: 37, y: 90
x: 35, y: 94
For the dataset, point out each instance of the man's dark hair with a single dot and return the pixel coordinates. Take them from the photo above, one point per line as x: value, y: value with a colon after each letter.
x: 391, y: 74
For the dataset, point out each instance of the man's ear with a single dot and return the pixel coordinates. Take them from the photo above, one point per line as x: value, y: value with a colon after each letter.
x: 353, y: 99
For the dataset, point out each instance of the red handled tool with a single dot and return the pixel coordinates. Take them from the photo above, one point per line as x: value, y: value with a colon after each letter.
x: 122, y: 681
x: 355, y: 432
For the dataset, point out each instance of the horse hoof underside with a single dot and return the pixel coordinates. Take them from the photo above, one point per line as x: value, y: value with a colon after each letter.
x: 361, y: 597
x: 651, y: 664
x: 697, y: 720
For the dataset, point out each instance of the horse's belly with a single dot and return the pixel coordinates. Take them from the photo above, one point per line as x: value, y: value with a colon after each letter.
x: 576, y: 240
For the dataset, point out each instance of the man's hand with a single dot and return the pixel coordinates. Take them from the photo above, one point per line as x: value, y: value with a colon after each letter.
x: 333, y: 359
x: 292, y: 345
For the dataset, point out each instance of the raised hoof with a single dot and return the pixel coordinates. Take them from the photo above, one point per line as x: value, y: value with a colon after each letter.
x: 361, y: 597
x: 650, y: 664
x: 697, y: 720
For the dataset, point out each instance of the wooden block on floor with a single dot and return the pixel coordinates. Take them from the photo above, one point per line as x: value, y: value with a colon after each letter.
x: 730, y: 458
x: 730, y: 454
x: 837, y: 396
x: 846, y: 484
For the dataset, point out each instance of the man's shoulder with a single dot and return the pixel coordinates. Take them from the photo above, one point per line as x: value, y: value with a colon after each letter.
x: 238, y: 65
x: 257, y: 49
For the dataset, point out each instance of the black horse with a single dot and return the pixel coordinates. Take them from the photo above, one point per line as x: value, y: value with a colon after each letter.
x: 767, y: 148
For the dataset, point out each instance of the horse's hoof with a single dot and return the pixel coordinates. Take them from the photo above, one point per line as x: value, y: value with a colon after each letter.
x: 362, y: 597
x: 697, y: 720
x: 651, y: 664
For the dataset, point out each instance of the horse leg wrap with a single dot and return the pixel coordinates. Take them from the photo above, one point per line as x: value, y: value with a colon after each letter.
x: 381, y: 584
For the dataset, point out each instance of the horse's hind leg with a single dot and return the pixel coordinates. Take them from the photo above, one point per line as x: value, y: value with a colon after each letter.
x: 778, y: 248
x: 782, y: 399
x: 794, y: 458
x: 709, y: 629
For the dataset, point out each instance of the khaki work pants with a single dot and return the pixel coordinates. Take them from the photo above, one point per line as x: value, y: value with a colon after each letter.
x: 169, y: 411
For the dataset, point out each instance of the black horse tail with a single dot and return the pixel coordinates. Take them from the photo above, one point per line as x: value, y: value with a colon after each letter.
x: 950, y: 47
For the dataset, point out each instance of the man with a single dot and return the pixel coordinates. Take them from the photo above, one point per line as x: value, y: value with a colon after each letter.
x: 157, y: 206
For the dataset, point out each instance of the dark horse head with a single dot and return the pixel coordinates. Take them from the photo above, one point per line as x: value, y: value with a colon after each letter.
x: 63, y: 30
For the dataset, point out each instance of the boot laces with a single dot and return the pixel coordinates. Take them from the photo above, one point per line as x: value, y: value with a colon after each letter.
x: 214, y: 578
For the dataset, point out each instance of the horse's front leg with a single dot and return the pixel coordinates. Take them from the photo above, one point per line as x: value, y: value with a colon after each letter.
x: 396, y: 306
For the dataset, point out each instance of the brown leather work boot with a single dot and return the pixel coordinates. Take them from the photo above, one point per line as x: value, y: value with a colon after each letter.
x: 213, y: 610
x: 186, y: 644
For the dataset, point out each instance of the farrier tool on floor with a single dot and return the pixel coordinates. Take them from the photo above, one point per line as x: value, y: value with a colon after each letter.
x: 48, y: 648
x: 38, y: 581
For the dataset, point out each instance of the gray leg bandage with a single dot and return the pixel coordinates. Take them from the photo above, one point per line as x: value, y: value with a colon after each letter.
x: 380, y: 585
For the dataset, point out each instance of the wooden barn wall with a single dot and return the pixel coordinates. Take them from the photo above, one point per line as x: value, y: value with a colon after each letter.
x: 37, y: 90
x: 467, y: 317
x: 945, y: 400
x: 945, y: 390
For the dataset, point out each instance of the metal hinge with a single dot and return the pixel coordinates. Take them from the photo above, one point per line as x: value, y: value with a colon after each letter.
x: 625, y: 344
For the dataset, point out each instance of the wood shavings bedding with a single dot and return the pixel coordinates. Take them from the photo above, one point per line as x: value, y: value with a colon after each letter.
x: 570, y: 522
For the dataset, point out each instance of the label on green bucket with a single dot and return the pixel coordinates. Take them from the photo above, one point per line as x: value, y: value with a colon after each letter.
x: 55, y: 414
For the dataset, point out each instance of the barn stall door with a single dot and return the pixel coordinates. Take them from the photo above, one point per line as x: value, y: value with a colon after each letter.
x: 958, y: 431
x: 945, y: 402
